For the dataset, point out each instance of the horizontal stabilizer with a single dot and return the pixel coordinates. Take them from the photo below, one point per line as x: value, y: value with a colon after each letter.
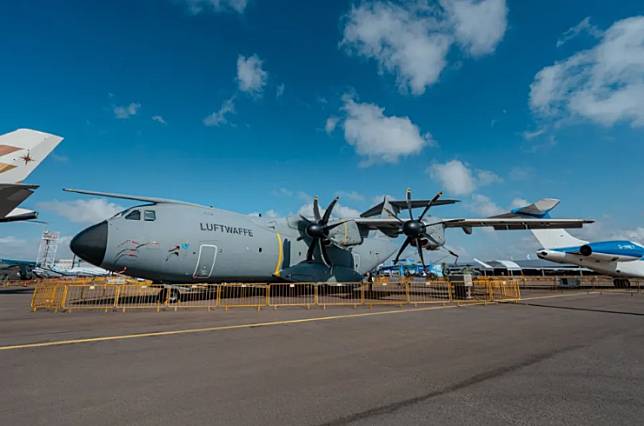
x: 11, y: 195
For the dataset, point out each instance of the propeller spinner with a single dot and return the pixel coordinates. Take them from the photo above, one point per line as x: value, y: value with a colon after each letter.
x: 416, y: 229
x: 318, y: 230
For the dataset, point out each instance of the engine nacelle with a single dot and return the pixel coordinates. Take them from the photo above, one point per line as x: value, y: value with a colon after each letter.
x: 612, y: 251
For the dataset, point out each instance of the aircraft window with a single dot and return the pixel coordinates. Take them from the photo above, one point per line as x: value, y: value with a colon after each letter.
x: 149, y: 215
x: 134, y: 215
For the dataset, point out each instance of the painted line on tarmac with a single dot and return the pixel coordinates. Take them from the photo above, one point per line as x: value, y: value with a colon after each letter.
x: 556, y: 296
x: 224, y: 327
x: 259, y: 324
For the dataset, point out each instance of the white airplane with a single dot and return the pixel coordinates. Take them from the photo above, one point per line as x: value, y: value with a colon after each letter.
x: 620, y: 259
x: 21, y: 151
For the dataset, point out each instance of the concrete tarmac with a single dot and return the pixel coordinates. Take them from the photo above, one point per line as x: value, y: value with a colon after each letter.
x: 572, y: 359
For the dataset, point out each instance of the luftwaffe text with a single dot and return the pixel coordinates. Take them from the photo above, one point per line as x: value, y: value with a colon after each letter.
x: 216, y: 227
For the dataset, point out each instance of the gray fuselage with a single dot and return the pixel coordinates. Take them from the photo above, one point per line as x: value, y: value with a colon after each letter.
x: 179, y: 243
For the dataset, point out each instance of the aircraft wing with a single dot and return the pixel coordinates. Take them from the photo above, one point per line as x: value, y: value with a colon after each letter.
x: 393, y: 224
x: 11, y: 195
x: 517, y: 223
x: 390, y: 226
x: 128, y: 197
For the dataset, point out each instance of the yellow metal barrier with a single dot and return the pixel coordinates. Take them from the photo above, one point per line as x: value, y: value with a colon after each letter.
x: 340, y: 294
x: 244, y: 296
x: 88, y: 295
x: 301, y: 294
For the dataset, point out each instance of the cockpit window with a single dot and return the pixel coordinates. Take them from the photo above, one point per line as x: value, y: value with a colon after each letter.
x: 134, y: 215
x: 149, y: 215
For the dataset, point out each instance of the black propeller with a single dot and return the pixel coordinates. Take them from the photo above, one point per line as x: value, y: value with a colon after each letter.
x: 318, y: 230
x: 415, y: 229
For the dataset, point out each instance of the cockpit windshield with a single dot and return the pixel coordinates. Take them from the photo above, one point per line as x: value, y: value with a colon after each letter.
x: 133, y: 215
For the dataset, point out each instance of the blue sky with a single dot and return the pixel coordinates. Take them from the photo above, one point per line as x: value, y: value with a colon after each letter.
x: 254, y: 106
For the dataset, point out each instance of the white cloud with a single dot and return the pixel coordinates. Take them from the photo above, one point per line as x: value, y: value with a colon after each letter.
x: 218, y: 117
x: 457, y: 178
x: 583, y: 27
x: 483, y: 205
x: 159, y: 119
x: 126, y: 111
x: 279, y: 91
x: 381, y: 138
x: 11, y: 240
x: 412, y: 41
x: 197, y: 6
x: 634, y: 234
x: 88, y: 211
x: 529, y: 135
x: 478, y: 25
x: 330, y: 124
x: 604, y: 84
x: 486, y: 177
x: 251, y: 78
x: 605, y: 230
x: 519, y: 202
x: 339, y: 211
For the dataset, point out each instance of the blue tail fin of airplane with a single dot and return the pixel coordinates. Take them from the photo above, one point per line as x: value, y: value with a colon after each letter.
x: 539, y: 209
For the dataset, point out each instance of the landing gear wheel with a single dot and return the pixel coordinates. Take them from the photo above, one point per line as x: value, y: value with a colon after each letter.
x: 174, y: 296
x: 621, y: 283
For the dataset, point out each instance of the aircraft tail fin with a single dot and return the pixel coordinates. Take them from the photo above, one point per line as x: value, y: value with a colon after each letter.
x: 556, y: 238
x: 548, y: 238
x: 538, y: 209
x: 21, y: 151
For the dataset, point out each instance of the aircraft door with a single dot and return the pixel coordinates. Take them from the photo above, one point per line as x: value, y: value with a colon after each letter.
x: 205, y: 261
x: 356, y: 261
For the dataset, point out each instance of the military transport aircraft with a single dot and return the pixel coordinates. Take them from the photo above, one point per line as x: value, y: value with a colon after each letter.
x: 21, y: 151
x: 171, y: 241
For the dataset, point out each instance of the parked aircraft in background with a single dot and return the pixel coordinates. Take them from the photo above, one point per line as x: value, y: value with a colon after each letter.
x: 16, y: 269
x: 21, y: 151
x: 171, y: 241
x: 620, y: 259
x: 69, y: 268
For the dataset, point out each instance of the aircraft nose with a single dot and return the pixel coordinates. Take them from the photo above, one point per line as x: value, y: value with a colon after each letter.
x: 90, y: 244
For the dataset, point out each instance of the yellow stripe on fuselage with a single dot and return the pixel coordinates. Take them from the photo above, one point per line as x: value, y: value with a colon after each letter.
x: 280, y: 255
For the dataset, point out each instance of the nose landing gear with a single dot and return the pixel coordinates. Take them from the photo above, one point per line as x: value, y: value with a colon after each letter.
x: 621, y: 283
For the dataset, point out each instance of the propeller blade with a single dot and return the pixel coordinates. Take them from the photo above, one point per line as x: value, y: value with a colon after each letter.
x: 305, y: 219
x: 420, y: 253
x: 394, y: 215
x: 323, y: 254
x: 432, y: 201
x: 408, y: 194
x: 309, y: 253
x: 453, y: 254
x: 404, y: 246
x: 327, y: 212
x: 316, y: 209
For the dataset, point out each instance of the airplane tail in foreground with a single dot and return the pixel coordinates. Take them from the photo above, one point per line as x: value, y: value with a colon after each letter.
x: 21, y: 151
x: 556, y: 238
x: 549, y: 238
